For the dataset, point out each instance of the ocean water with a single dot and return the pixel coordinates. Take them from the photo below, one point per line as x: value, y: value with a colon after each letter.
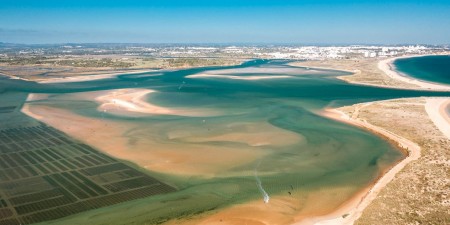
x: 428, y: 68
x: 328, y: 156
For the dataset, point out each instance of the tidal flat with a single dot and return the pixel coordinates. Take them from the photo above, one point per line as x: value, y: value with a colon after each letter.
x: 264, y: 154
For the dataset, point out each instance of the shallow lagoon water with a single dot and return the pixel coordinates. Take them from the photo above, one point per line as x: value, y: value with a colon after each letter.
x: 327, y: 156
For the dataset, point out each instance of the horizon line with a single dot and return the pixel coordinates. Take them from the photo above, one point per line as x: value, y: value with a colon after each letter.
x: 223, y: 43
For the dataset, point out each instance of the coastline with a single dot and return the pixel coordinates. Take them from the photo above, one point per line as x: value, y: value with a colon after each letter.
x: 435, y: 108
x: 387, y: 67
x: 374, y: 72
x: 364, y: 72
x: 355, y: 206
x: 90, y: 77
x: 361, y: 201
x: 81, y: 76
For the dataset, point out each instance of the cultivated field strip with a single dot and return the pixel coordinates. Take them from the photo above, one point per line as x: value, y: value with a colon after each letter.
x: 46, y: 175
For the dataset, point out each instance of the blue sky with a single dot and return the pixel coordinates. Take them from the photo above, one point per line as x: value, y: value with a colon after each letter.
x: 219, y: 21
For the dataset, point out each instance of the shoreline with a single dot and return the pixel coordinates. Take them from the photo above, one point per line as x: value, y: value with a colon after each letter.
x: 436, y: 110
x: 110, y: 71
x: 94, y: 75
x: 353, y: 208
x: 90, y: 77
x: 388, y: 68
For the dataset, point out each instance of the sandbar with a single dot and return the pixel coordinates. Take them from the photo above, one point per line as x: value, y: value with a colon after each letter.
x: 123, y: 101
x: 238, y: 77
x: 257, y: 73
x: 91, y: 77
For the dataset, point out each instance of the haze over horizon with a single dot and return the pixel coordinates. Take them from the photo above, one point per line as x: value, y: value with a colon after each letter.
x: 174, y: 21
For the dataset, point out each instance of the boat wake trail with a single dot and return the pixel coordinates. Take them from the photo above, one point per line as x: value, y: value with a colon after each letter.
x: 260, y: 187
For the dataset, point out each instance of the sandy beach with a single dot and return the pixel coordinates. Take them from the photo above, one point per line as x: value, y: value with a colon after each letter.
x: 388, y: 68
x: 435, y: 108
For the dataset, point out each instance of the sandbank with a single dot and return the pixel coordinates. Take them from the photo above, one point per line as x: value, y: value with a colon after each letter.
x: 238, y: 77
x: 122, y: 101
x: 274, y: 70
x: 167, y: 147
x: 12, y: 77
x: 129, y: 102
x: 257, y: 73
x: 91, y: 77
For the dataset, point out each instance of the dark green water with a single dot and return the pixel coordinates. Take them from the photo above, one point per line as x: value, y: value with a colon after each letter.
x: 331, y: 155
x: 429, y: 68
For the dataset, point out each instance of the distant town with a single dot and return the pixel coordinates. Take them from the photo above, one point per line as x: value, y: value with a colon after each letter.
x: 308, y: 52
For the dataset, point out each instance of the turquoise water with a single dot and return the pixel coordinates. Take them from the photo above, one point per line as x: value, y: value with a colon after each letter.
x: 331, y: 155
x: 428, y: 68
